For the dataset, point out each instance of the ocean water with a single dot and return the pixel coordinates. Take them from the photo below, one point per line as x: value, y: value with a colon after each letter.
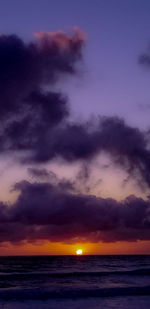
x: 75, y: 282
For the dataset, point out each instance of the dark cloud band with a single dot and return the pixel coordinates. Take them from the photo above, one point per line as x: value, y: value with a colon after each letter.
x: 48, y: 212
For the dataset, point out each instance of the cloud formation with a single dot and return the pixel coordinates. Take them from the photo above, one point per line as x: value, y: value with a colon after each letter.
x: 34, y: 121
x: 29, y: 105
x: 34, y: 117
x: 47, y: 212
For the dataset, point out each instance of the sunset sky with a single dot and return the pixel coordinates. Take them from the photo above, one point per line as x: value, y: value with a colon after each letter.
x: 74, y: 127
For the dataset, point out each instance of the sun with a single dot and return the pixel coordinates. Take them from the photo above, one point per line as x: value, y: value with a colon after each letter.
x: 79, y: 252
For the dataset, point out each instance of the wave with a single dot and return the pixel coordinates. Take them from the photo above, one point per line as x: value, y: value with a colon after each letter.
x: 43, y: 294
x: 135, y: 272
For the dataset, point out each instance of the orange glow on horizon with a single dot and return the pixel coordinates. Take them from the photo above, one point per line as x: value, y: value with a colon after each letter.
x: 48, y: 248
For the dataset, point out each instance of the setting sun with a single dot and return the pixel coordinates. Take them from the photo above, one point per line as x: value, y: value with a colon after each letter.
x: 79, y: 252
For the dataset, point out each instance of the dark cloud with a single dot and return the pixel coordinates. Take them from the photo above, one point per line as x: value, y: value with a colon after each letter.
x: 144, y: 58
x: 48, y: 212
x: 26, y: 68
x: 29, y: 105
x: 34, y: 117
x: 40, y: 173
x: 127, y: 146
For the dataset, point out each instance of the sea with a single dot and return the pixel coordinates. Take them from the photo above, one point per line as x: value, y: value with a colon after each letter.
x: 76, y: 282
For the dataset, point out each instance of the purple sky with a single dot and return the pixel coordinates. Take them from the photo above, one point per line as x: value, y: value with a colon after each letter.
x: 105, y: 159
x: 118, y: 31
